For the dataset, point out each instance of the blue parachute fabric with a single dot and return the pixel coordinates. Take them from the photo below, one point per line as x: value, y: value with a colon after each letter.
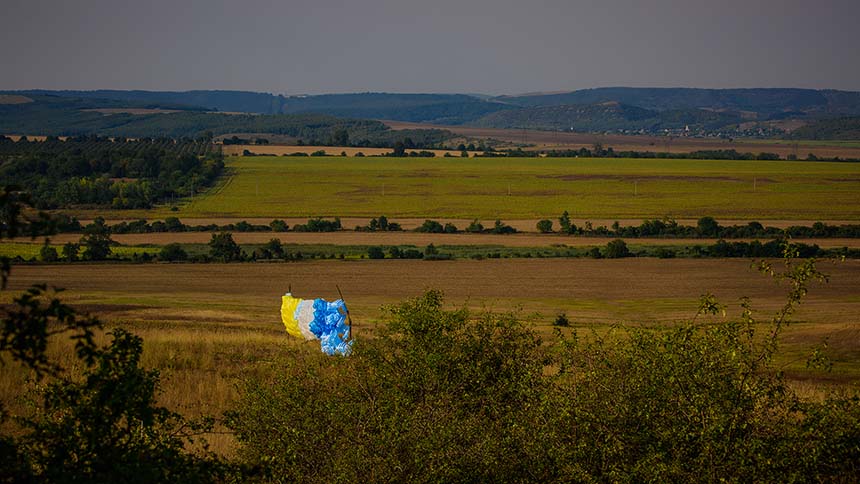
x: 329, y: 325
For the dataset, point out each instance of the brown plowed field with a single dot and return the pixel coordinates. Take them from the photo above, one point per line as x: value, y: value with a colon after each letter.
x: 588, y: 290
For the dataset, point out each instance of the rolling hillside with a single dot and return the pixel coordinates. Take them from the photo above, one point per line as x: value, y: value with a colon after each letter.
x: 761, y: 113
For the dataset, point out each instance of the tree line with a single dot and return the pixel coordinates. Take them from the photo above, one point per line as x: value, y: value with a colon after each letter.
x: 706, y: 227
x: 103, y: 172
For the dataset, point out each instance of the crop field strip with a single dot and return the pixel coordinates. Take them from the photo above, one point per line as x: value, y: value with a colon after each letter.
x: 653, y: 289
x: 513, y: 188
x: 564, y: 140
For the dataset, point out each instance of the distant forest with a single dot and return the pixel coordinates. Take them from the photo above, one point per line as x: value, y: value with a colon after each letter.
x: 97, y: 172
x: 830, y: 129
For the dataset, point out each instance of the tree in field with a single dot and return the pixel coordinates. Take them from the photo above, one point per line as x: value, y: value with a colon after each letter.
x: 617, y: 249
x: 96, y: 240
x: 475, y: 227
x: 278, y: 226
x: 48, y: 253
x: 70, y: 251
x: 708, y: 227
x: 544, y: 226
x: 222, y: 247
x: 564, y: 223
x: 172, y: 253
x: 275, y: 248
x: 375, y: 252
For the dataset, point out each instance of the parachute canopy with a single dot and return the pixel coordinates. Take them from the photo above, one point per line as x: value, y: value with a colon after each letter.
x: 318, y: 319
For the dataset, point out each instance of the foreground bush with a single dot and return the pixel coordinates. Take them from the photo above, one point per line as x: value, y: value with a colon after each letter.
x: 443, y: 396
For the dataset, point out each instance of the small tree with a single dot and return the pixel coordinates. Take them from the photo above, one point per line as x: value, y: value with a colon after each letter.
x: 617, y: 249
x: 278, y: 226
x: 48, y: 253
x: 224, y: 248
x: 564, y: 222
x: 475, y: 227
x: 708, y: 227
x: 275, y: 248
x: 502, y: 228
x: 375, y: 252
x: 173, y: 224
x: 172, y: 253
x: 70, y: 251
x: 96, y: 240
x: 544, y: 226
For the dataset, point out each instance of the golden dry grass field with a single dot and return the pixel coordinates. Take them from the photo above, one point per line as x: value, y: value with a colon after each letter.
x: 207, y: 326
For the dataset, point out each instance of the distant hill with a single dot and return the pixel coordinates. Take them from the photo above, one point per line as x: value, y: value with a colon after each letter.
x: 227, y: 101
x: 607, y: 116
x: 830, y: 129
x: 430, y: 108
x: 64, y: 116
x: 765, y: 112
x: 763, y: 102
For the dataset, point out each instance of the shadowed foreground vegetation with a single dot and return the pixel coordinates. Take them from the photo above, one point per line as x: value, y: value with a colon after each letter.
x: 450, y: 396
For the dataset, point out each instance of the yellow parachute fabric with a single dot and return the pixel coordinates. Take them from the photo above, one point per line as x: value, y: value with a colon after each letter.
x: 288, y: 315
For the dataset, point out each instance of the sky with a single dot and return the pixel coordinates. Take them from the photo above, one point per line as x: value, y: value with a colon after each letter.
x: 439, y: 46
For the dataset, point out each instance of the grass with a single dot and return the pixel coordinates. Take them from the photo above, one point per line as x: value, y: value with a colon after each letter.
x: 207, y: 326
x: 30, y: 250
x: 491, y: 188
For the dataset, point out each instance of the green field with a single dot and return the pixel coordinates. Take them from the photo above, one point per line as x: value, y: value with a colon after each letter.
x: 526, y: 188
x: 30, y: 250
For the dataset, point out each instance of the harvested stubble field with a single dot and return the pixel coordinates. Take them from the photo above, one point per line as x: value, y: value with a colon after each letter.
x: 205, y: 326
x: 527, y: 188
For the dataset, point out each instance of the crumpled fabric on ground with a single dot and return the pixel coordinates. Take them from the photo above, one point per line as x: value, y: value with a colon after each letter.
x: 329, y: 325
x: 318, y: 319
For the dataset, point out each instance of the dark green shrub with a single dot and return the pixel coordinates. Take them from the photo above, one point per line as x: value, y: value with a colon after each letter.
x: 48, y: 253
x: 172, y: 253
x: 617, y: 249
x: 445, y: 396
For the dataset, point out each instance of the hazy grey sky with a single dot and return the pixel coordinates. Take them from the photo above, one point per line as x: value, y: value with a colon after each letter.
x: 479, y: 46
